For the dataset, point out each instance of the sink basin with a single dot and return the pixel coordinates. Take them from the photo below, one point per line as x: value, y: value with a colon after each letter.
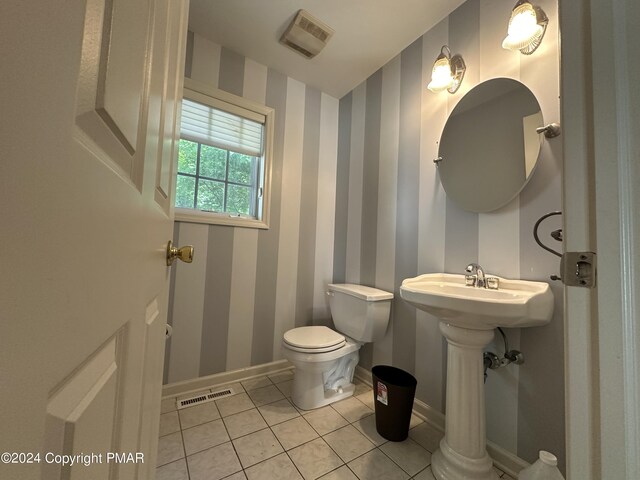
x: 517, y: 303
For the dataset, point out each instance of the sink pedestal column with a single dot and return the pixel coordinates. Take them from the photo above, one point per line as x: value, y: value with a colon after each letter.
x: 463, y: 454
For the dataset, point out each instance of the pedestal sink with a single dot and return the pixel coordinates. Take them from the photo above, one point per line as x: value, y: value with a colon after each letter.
x: 468, y: 316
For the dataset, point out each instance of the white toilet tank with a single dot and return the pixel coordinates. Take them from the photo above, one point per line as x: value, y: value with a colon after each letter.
x: 360, y: 312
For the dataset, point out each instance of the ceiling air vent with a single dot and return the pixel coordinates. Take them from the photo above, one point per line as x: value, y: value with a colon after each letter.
x: 306, y: 35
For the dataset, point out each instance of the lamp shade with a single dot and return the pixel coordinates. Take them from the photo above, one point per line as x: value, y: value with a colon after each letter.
x: 527, y: 26
x: 441, y: 77
x: 447, y: 73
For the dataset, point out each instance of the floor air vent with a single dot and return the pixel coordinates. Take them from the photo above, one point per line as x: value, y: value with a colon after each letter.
x: 204, y: 398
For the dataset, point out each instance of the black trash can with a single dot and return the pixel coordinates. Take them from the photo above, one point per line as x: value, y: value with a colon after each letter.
x: 393, y: 393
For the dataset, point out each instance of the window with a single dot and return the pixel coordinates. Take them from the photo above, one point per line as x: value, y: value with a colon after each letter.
x: 223, y: 159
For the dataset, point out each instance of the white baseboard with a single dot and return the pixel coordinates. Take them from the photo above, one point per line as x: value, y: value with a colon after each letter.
x: 503, y: 459
x: 195, y: 384
x: 506, y: 461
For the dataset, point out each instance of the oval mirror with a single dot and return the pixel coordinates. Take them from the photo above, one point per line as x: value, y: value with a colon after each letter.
x: 489, y: 146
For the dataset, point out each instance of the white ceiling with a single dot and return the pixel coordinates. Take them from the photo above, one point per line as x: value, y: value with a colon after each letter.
x: 368, y: 34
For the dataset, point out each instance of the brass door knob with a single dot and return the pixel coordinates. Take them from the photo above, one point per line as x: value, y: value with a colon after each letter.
x: 183, y: 253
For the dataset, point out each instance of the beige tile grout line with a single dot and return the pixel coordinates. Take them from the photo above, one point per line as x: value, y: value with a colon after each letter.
x: 376, y: 447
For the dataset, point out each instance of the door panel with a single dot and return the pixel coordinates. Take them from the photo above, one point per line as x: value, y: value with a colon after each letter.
x: 164, y: 98
x: 154, y: 336
x: 111, y: 81
x: 122, y: 68
x: 84, y: 404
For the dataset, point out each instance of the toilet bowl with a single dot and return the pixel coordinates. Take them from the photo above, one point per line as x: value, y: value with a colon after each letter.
x: 326, y: 359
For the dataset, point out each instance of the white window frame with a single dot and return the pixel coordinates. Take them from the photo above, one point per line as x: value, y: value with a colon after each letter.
x: 216, y: 98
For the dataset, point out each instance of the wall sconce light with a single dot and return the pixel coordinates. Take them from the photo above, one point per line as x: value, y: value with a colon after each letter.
x: 527, y: 26
x: 447, y: 73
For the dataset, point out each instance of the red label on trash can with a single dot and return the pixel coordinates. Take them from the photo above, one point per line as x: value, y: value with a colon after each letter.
x: 382, y: 395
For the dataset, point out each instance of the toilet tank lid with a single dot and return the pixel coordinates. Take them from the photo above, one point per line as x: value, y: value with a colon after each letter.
x: 369, y: 294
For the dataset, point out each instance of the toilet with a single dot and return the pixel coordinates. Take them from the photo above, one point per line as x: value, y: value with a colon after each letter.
x: 326, y: 359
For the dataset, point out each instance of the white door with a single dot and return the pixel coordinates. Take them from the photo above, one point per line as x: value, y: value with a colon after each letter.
x: 88, y: 111
x: 601, y: 120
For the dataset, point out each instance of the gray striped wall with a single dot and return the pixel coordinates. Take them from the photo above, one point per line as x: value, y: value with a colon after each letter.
x: 394, y: 221
x: 246, y: 287
x: 363, y: 203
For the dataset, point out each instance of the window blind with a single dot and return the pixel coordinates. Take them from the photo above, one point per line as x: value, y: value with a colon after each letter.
x: 217, y: 128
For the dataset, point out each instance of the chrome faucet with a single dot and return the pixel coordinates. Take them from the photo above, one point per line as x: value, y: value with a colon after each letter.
x: 475, y: 275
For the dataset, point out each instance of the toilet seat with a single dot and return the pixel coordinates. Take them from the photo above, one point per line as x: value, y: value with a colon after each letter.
x: 316, y: 339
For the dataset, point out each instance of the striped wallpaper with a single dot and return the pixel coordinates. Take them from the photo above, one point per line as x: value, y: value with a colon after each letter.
x: 393, y: 219
x: 357, y: 198
x: 246, y: 287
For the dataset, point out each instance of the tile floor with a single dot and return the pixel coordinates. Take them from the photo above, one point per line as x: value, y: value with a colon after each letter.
x: 257, y: 434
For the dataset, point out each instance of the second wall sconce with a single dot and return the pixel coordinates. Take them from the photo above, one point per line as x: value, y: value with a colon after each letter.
x: 447, y: 73
x: 527, y: 26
